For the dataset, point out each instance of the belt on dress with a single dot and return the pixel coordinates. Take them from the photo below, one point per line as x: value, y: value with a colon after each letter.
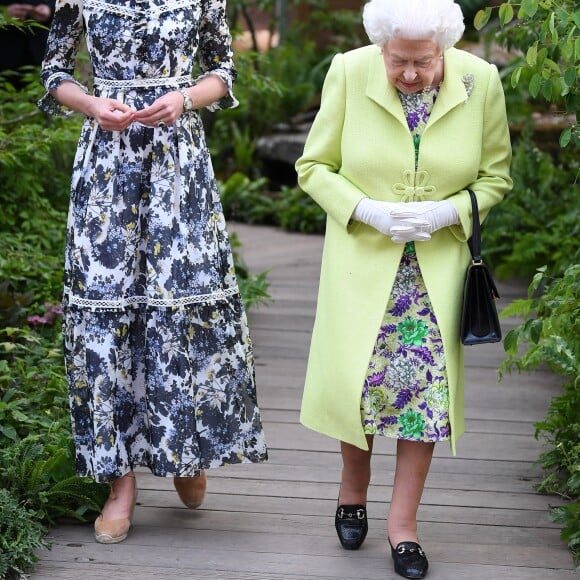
x: 144, y: 82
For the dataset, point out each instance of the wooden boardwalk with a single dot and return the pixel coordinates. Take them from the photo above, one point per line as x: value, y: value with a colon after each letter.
x: 480, y: 517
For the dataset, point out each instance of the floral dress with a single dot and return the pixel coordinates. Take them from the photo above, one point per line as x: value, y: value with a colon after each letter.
x: 405, y: 393
x: 158, y: 355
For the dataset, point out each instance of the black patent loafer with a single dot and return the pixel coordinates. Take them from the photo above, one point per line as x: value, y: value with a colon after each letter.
x: 410, y: 560
x: 351, y: 525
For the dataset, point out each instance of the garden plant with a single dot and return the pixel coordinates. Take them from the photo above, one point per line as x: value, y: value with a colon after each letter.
x: 546, y: 36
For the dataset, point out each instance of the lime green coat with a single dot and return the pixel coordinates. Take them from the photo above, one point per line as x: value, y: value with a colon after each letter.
x: 360, y: 145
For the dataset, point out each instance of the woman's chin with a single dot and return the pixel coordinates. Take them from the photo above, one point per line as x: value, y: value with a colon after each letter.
x: 409, y: 88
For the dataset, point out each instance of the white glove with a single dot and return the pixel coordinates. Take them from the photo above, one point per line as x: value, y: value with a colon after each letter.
x: 437, y: 214
x: 380, y: 215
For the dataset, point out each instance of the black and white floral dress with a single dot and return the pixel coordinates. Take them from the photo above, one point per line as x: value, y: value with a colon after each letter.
x: 158, y: 354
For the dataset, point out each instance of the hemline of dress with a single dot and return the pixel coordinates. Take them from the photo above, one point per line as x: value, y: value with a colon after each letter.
x: 396, y: 436
x: 98, y: 478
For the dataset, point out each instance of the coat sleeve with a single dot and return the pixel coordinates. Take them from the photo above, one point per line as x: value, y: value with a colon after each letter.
x: 493, y: 179
x: 319, y: 166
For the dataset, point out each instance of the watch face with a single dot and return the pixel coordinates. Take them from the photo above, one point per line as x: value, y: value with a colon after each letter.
x: 187, y: 102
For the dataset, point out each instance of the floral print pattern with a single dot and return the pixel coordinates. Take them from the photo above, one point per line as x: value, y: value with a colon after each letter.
x: 405, y: 393
x: 158, y: 354
x: 417, y: 108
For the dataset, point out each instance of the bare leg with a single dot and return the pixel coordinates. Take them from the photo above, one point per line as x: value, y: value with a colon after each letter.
x: 413, y: 461
x: 356, y: 473
x: 122, y: 498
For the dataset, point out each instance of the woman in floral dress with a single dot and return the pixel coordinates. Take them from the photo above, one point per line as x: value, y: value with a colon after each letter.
x: 405, y: 127
x: 158, y: 355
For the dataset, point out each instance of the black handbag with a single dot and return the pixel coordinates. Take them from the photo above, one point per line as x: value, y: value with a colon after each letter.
x: 479, y: 320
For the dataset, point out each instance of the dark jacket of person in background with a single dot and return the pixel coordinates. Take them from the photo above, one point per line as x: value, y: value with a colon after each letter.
x: 25, y: 47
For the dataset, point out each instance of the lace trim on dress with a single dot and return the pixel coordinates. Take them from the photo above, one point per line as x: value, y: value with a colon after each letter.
x: 123, y: 303
x: 137, y: 12
x: 142, y: 82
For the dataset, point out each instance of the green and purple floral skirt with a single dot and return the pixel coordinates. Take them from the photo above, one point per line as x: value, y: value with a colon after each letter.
x: 405, y: 393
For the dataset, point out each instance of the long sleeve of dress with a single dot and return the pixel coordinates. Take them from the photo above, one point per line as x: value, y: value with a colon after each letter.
x: 61, y: 51
x: 215, y: 50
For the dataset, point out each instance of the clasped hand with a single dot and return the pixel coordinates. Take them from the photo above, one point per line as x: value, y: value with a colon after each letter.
x: 113, y: 115
x: 406, y: 222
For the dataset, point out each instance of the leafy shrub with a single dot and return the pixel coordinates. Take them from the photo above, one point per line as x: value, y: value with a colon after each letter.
x: 26, y: 268
x: 539, y: 221
x: 251, y: 202
x: 253, y: 287
x: 246, y: 200
x: 33, y: 389
x: 20, y: 535
x: 40, y: 472
x: 36, y: 154
x: 273, y: 86
x: 547, y: 33
x: 298, y: 212
x: 551, y: 334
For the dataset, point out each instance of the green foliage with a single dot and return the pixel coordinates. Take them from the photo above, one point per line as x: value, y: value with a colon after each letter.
x: 29, y: 276
x: 253, y: 287
x: 538, y: 224
x: 36, y: 155
x: 251, y: 202
x: 546, y: 32
x: 298, y: 212
x: 569, y: 517
x: 551, y: 325
x: 551, y: 335
x: 20, y: 535
x: 33, y: 390
x: 470, y: 8
x: 272, y: 87
x: 539, y: 220
x: 275, y: 85
x: 246, y: 201
x: 40, y: 472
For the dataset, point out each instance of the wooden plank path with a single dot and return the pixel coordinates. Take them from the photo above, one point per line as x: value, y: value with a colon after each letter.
x: 480, y: 517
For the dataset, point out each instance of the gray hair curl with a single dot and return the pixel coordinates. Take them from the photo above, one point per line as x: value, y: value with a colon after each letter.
x: 440, y: 20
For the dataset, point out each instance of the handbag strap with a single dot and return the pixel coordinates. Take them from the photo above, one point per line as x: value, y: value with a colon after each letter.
x: 475, y: 241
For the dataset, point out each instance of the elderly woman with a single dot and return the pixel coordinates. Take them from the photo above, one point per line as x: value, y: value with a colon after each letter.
x: 405, y: 126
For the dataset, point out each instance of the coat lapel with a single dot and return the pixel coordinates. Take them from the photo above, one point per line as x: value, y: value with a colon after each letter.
x: 381, y: 91
x: 453, y: 91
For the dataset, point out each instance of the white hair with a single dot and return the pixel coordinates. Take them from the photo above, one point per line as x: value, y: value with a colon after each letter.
x: 440, y: 20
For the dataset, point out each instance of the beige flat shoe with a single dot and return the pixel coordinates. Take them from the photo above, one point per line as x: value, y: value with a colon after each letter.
x: 191, y: 490
x: 114, y: 531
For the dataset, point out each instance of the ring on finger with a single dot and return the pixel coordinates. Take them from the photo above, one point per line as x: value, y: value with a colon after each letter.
x: 160, y: 123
